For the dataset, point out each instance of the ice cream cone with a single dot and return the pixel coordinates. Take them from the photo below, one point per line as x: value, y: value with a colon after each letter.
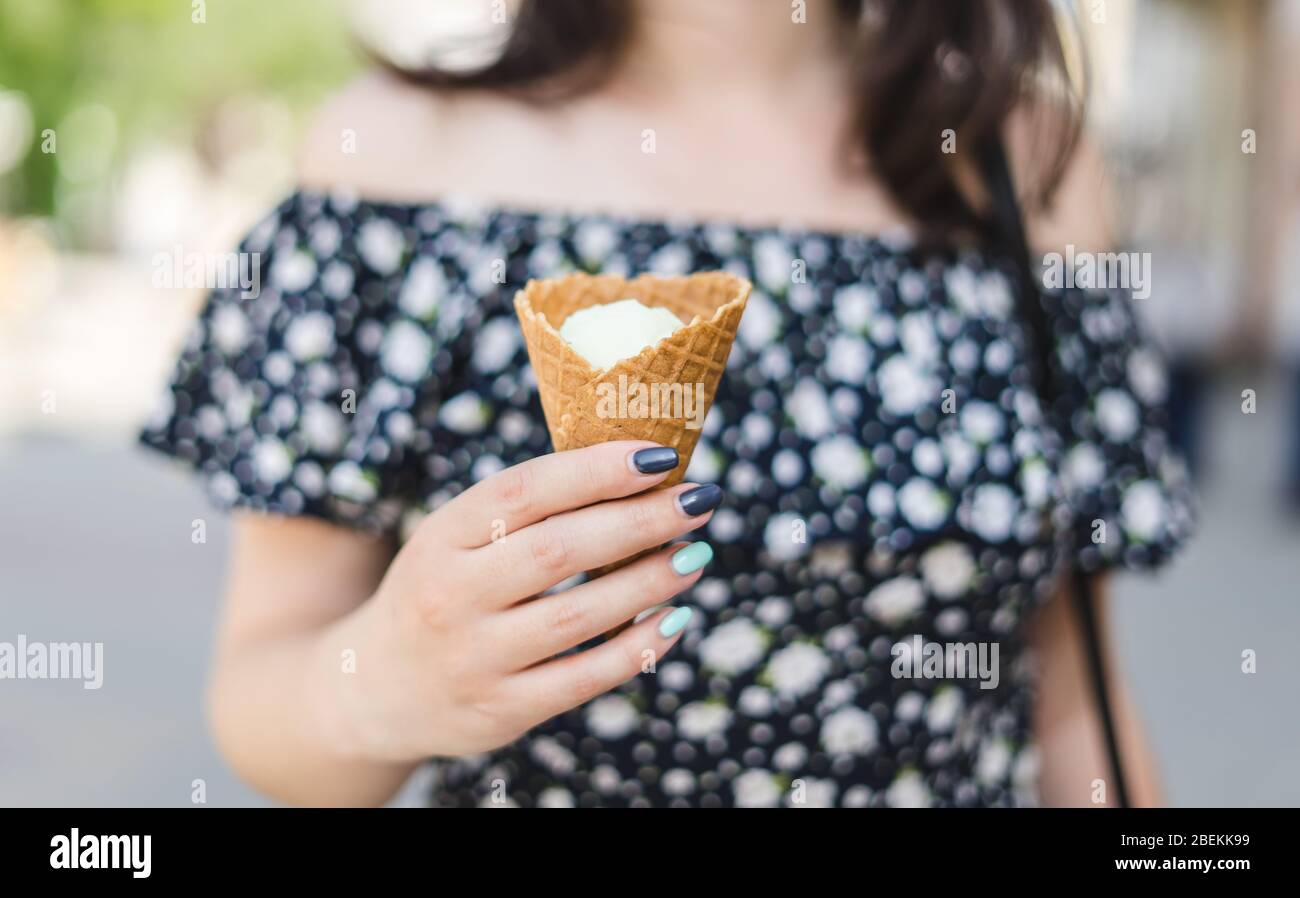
x: 576, y: 397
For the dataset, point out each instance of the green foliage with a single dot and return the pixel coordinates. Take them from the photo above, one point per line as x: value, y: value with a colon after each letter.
x: 156, y: 69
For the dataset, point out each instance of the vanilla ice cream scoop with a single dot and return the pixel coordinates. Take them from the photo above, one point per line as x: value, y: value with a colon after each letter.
x: 606, y: 334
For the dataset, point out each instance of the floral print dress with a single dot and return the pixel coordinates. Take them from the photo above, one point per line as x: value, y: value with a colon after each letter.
x: 892, y: 481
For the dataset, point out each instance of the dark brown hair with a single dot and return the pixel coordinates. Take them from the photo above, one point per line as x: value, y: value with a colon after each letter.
x: 919, y: 69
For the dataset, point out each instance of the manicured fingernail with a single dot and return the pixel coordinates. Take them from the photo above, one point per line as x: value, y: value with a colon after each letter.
x: 690, y: 559
x: 696, y: 502
x: 654, y: 460
x: 674, y: 623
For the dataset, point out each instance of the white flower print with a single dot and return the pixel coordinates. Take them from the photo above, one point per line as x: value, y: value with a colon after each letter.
x: 612, y: 717
x: 1143, y: 510
x: 917, y: 336
x: 324, y: 427
x: 774, y: 362
x: 782, y: 535
x: 790, y: 756
x: 553, y: 756
x: 911, y: 287
x: 995, y: 296
x: 727, y: 526
x: 700, y: 720
x: 381, y: 245
x: 797, y: 669
x: 349, y: 480
x: 808, y: 408
x: 595, y: 240
x: 423, y: 289
x: 758, y: 429
x: 705, y: 465
x: 854, y: 306
x: 407, y: 351
x: 761, y: 323
x: 840, y: 462
x: 812, y: 793
x: 293, y: 272
x: 230, y: 329
x: 894, y: 601
x: 945, y: 708
x: 787, y: 467
x: 948, y: 570
x: 1117, y: 415
x: 555, y: 797
x: 756, y: 789
x: 993, y: 511
x: 676, y: 676
x: 994, y: 762
x: 497, y: 344
x: 908, y: 790
x: 923, y: 504
x: 671, y: 261
x: 774, y: 611
x: 981, y: 421
x: 773, y: 263
x: 1085, y: 467
x: 733, y: 648
x: 927, y: 457
x: 310, y: 336
x: 963, y: 289
x: 272, y: 461
x: 849, y: 731
x: 848, y: 359
x: 755, y: 701
x: 881, y: 501
x: 336, y: 280
x: 1146, y: 375
x: 1036, y: 482
x: 466, y: 413
x: 677, y: 781
x: 904, y: 386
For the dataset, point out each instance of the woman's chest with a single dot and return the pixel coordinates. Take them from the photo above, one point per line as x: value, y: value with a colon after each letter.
x: 871, y: 412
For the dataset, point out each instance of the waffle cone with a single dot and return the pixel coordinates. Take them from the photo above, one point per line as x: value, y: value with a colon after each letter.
x: 570, y: 388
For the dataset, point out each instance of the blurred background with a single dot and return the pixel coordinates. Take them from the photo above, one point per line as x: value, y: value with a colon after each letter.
x: 135, y: 127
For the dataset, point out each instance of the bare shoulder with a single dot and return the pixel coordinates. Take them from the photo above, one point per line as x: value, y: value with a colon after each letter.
x: 388, y: 138
x: 1080, y: 209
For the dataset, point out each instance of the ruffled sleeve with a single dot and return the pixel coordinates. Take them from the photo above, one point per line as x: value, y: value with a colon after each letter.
x: 302, y: 390
x: 1125, y: 484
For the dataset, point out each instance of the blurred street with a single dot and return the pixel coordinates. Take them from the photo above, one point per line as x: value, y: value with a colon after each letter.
x: 95, y: 544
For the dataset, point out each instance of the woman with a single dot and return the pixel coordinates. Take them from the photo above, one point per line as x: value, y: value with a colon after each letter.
x: 890, y: 469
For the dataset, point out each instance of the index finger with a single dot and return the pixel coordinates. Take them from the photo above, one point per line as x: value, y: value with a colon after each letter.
x: 549, y: 484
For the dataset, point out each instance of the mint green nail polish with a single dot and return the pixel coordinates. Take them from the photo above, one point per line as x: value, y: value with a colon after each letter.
x: 691, y: 558
x: 673, y: 623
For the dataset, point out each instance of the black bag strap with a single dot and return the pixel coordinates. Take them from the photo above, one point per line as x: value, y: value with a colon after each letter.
x: 1010, y: 231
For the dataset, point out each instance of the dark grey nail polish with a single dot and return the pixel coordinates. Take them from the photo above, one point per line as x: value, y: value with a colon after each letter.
x: 701, y: 499
x: 655, y: 460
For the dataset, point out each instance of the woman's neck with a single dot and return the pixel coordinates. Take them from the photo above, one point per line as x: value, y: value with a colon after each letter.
x: 717, y: 45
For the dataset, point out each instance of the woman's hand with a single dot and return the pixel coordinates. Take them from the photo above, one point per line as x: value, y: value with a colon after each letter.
x: 457, y: 649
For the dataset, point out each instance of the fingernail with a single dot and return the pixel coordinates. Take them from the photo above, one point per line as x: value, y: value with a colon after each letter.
x: 654, y: 460
x: 675, y: 622
x: 696, y: 502
x: 691, y: 558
